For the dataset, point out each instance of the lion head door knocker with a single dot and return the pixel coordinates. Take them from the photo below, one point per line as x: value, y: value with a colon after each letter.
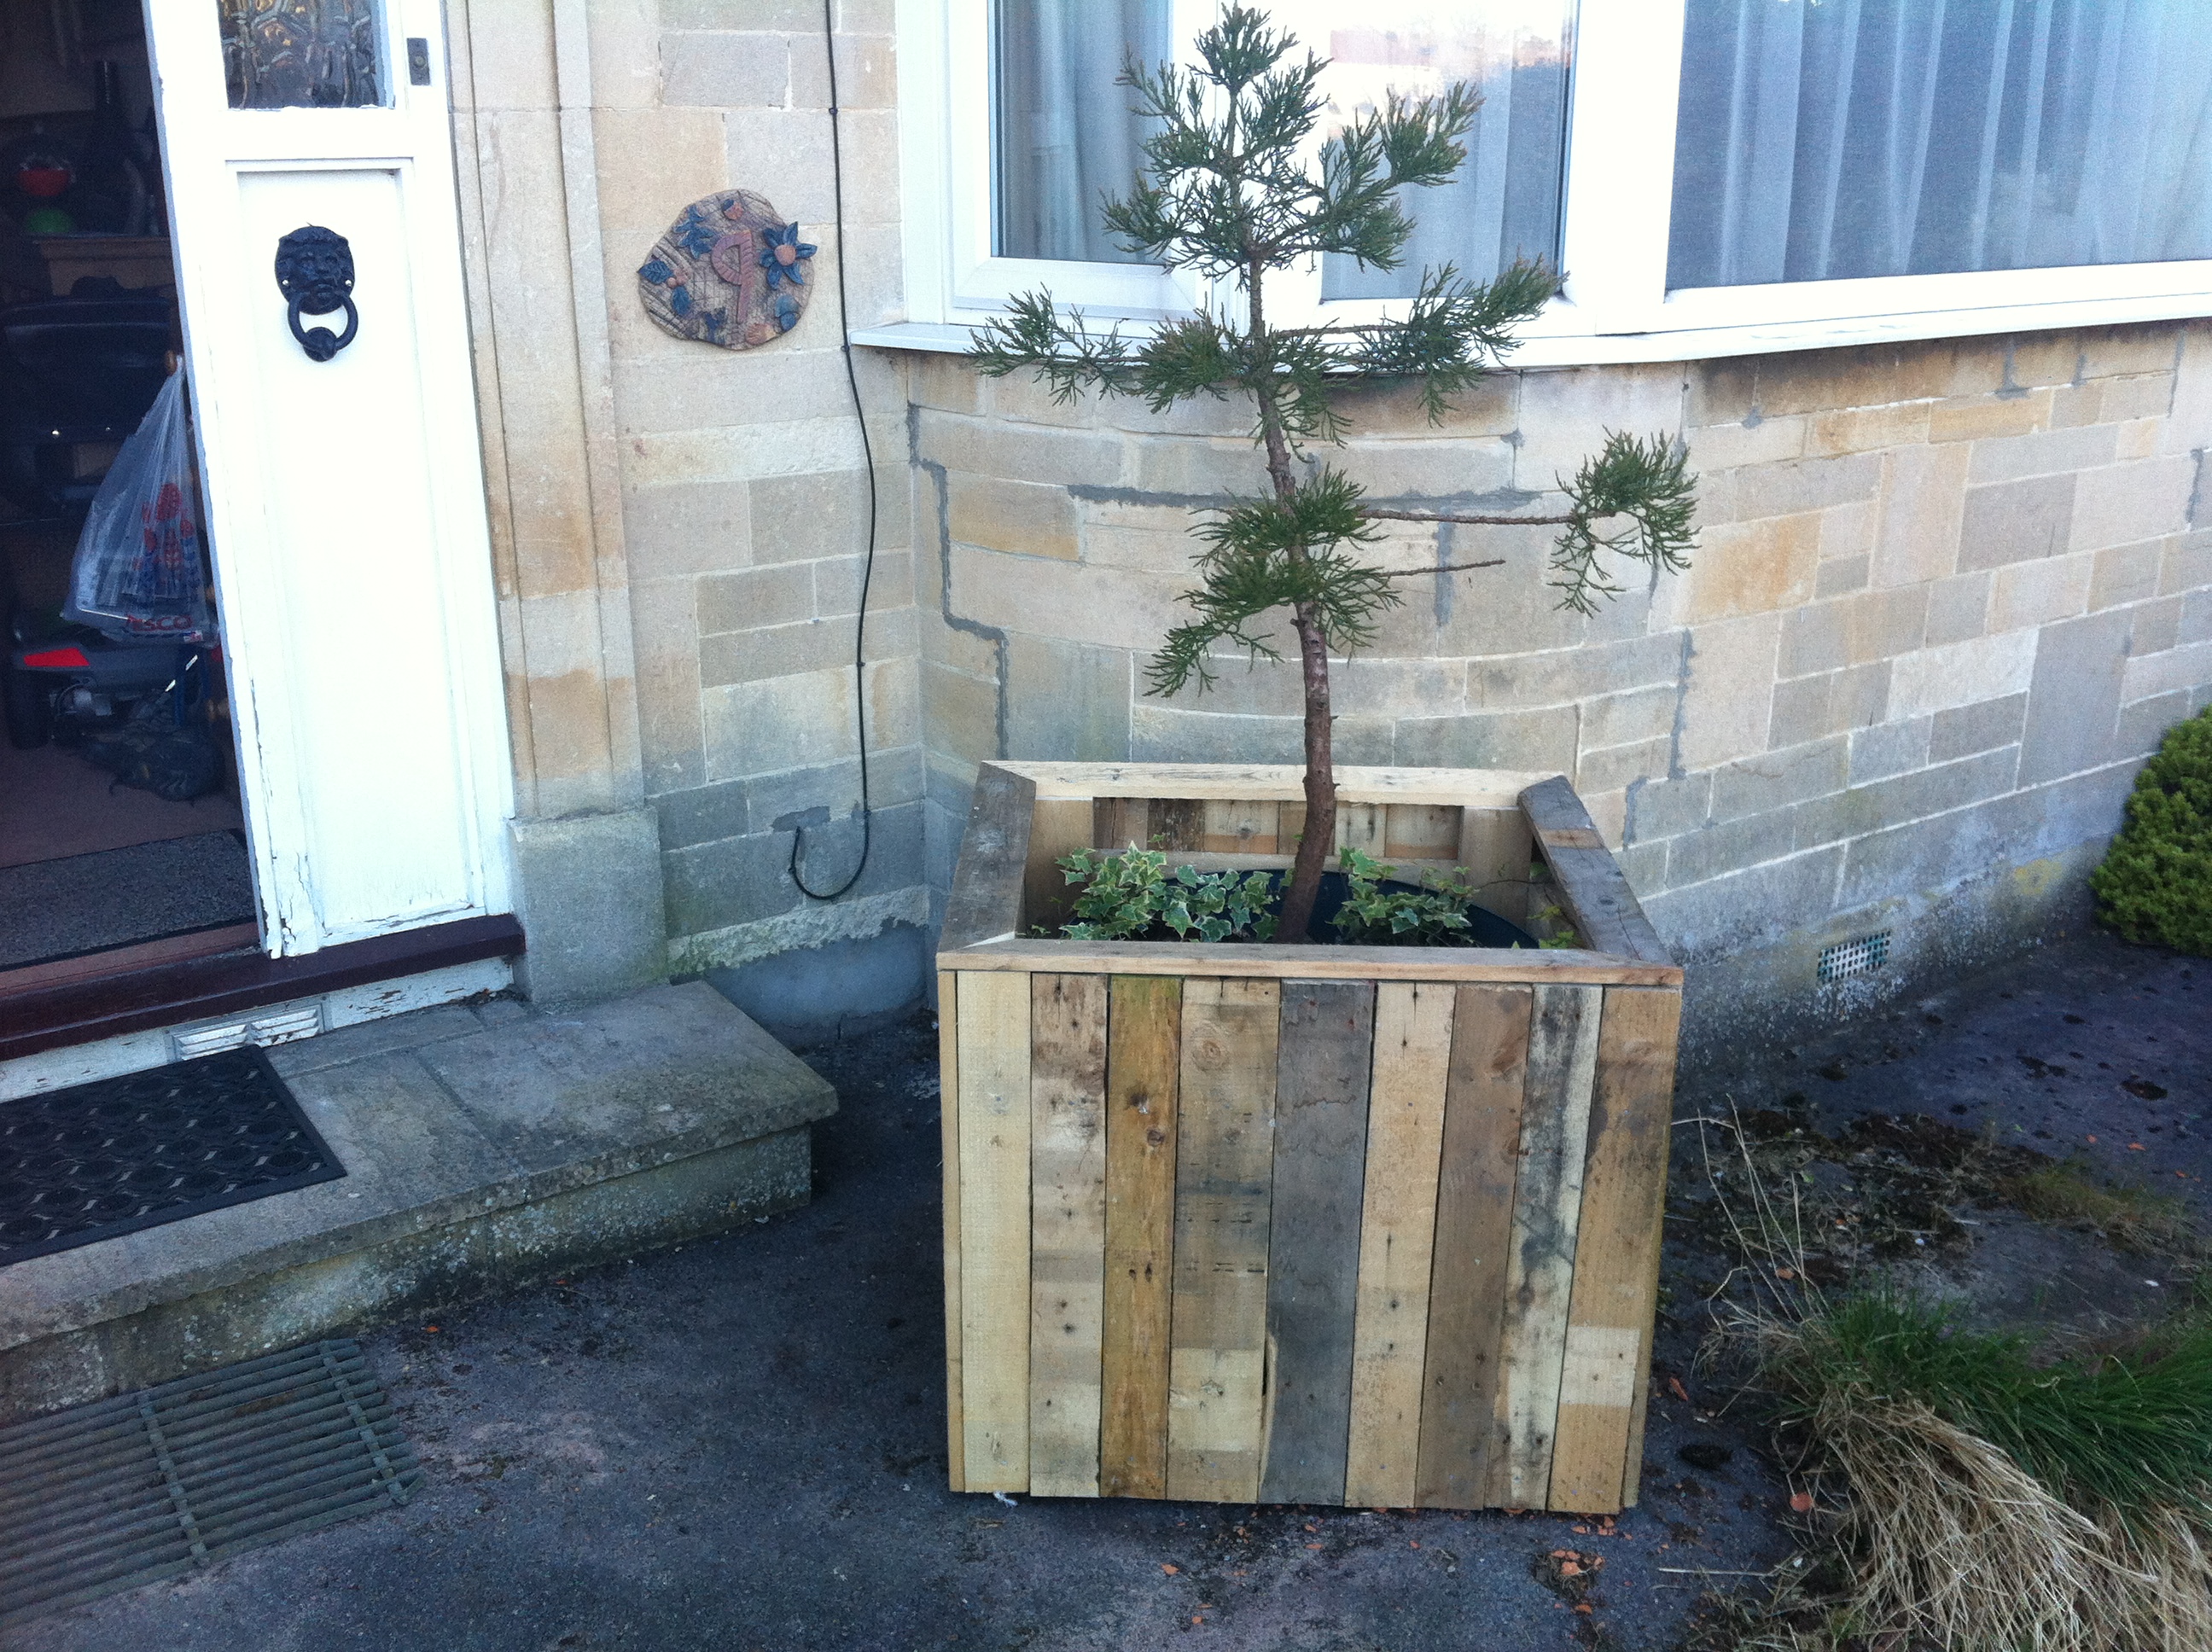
x: 314, y: 269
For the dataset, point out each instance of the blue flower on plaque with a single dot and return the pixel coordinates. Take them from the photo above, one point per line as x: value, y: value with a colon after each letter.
x: 710, y: 279
x: 783, y: 255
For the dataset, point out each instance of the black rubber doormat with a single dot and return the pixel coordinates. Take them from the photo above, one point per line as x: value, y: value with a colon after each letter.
x: 118, y: 1155
x: 126, y: 1492
x: 86, y: 903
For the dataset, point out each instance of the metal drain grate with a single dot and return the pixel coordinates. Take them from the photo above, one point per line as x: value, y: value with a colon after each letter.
x: 125, y: 1492
x: 1847, y: 958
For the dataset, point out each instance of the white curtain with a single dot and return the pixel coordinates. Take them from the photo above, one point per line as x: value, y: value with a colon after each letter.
x: 1505, y: 203
x: 1885, y: 137
x: 1064, y: 138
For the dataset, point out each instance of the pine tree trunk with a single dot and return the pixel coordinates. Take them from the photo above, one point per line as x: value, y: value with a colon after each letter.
x: 1319, y: 836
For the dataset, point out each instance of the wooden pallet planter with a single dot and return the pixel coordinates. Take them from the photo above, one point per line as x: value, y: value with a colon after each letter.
x: 1333, y: 1224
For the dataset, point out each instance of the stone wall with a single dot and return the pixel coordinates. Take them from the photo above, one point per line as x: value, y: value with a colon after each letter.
x: 1945, y: 599
x: 744, y: 501
x: 1945, y: 595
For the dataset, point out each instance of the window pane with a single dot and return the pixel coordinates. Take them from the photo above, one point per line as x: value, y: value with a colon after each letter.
x: 286, y: 54
x: 1888, y: 137
x: 1064, y: 138
x: 1504, y: 203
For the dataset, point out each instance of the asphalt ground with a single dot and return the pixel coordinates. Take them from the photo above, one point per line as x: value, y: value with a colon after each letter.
x: 740, y: 1445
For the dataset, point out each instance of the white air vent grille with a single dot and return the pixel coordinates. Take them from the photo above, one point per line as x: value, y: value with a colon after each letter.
x: 1858, y: 958
x: 283, y: 1028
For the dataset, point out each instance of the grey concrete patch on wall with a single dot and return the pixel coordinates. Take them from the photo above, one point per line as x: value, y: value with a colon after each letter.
x: 824, y: 993
x: 588, y: 888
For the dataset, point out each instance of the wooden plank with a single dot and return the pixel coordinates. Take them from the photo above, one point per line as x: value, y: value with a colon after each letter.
x: 1361, y: 826
x: 1597, y: 1457
x: 1416, y: 872
x: 985, y: 901
x: 1067, y: 1230
x: 1225, y: 1152
x: 1057, y: 827
x: 1119, y: 823
x: 1496, y: 848
x: 1241, y: 826
x: 994, y: 1015
x: 1280, y: 782
x: 1178, y: 825
x: 1563, y: 1039
x: 1421, y: 831
x: 1324, y: 1070
x: 1312, y: 963
x: 1597, y: 898
x: 1462, y: 1449
x: 1143, y: 1074
x: 1397, y: 1229
x: 948, y: 1108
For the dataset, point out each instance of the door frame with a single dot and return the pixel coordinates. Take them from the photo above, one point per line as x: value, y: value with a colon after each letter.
x: 206, y: 148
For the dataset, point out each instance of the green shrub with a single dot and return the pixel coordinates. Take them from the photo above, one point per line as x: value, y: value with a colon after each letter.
x: 2156, y: 881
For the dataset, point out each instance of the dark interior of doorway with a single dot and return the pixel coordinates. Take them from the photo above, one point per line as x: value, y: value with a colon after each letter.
x: 121, y: 837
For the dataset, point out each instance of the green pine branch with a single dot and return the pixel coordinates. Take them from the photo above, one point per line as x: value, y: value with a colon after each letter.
x: 1226, y: 193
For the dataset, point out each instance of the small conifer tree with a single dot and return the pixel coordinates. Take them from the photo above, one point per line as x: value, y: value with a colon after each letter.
x: 1225, y: 194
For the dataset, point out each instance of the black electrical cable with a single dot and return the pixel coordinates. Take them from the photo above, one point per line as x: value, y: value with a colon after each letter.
x: 868, y: 459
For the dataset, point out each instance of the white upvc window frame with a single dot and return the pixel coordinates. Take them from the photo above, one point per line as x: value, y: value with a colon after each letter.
x: 1619, y: 200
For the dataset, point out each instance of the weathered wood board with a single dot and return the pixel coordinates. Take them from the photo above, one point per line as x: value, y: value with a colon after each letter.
x: 1313, y: 1225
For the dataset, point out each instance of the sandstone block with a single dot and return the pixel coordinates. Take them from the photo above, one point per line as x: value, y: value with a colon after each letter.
x: 2119, y: 504
x: 1726, y: 705
x: 2046, y: 452
x: 2033, y: 593
x: 1761, y: 441
x: 1958, y: 608
x: 1775, y: 780
x: 1983, y: 726
x: 1867, y: 429
x: 1026, y: 518
x: 725, y: 70
x: 1975, y: 418
x: 756, y: 599
x: 1922, y: 497
x: 2013, y: 521
x: 1843, y: 576
x: 2073, y: 701
x: 1887, y: 749
x: 2125, y: 574
x: 1752, y: 567
x: 1809, y: 484
x: 1936, y: 679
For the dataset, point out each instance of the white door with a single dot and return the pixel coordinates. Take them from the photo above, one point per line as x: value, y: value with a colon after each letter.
x: 344, y: 496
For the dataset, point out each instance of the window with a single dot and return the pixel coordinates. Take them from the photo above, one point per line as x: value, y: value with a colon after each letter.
x: 1713, y: 177
x: 1817, y: 142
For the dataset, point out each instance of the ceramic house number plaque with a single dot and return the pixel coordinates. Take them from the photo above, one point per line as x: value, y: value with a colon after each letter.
x: 730, y: 271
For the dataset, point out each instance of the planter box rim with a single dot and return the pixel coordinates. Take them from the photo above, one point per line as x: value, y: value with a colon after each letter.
x: 983, y: 921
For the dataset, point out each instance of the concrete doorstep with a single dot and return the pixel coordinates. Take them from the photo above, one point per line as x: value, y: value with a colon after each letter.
x: 483, y: 1146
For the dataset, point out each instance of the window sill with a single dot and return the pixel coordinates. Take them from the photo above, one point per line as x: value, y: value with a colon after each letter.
x: 1563, y: 349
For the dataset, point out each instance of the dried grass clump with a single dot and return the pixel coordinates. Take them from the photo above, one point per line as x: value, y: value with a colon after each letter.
x: 1971, y: 1495
x: 1952, y: 1538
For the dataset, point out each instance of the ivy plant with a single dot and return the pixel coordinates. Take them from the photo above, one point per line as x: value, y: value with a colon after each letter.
x: 1228, y: 194
x: 1132, y: 895
x: 1404, y: 916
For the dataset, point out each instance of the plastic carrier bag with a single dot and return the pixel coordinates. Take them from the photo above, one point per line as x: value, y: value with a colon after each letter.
x: 140, y: 569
